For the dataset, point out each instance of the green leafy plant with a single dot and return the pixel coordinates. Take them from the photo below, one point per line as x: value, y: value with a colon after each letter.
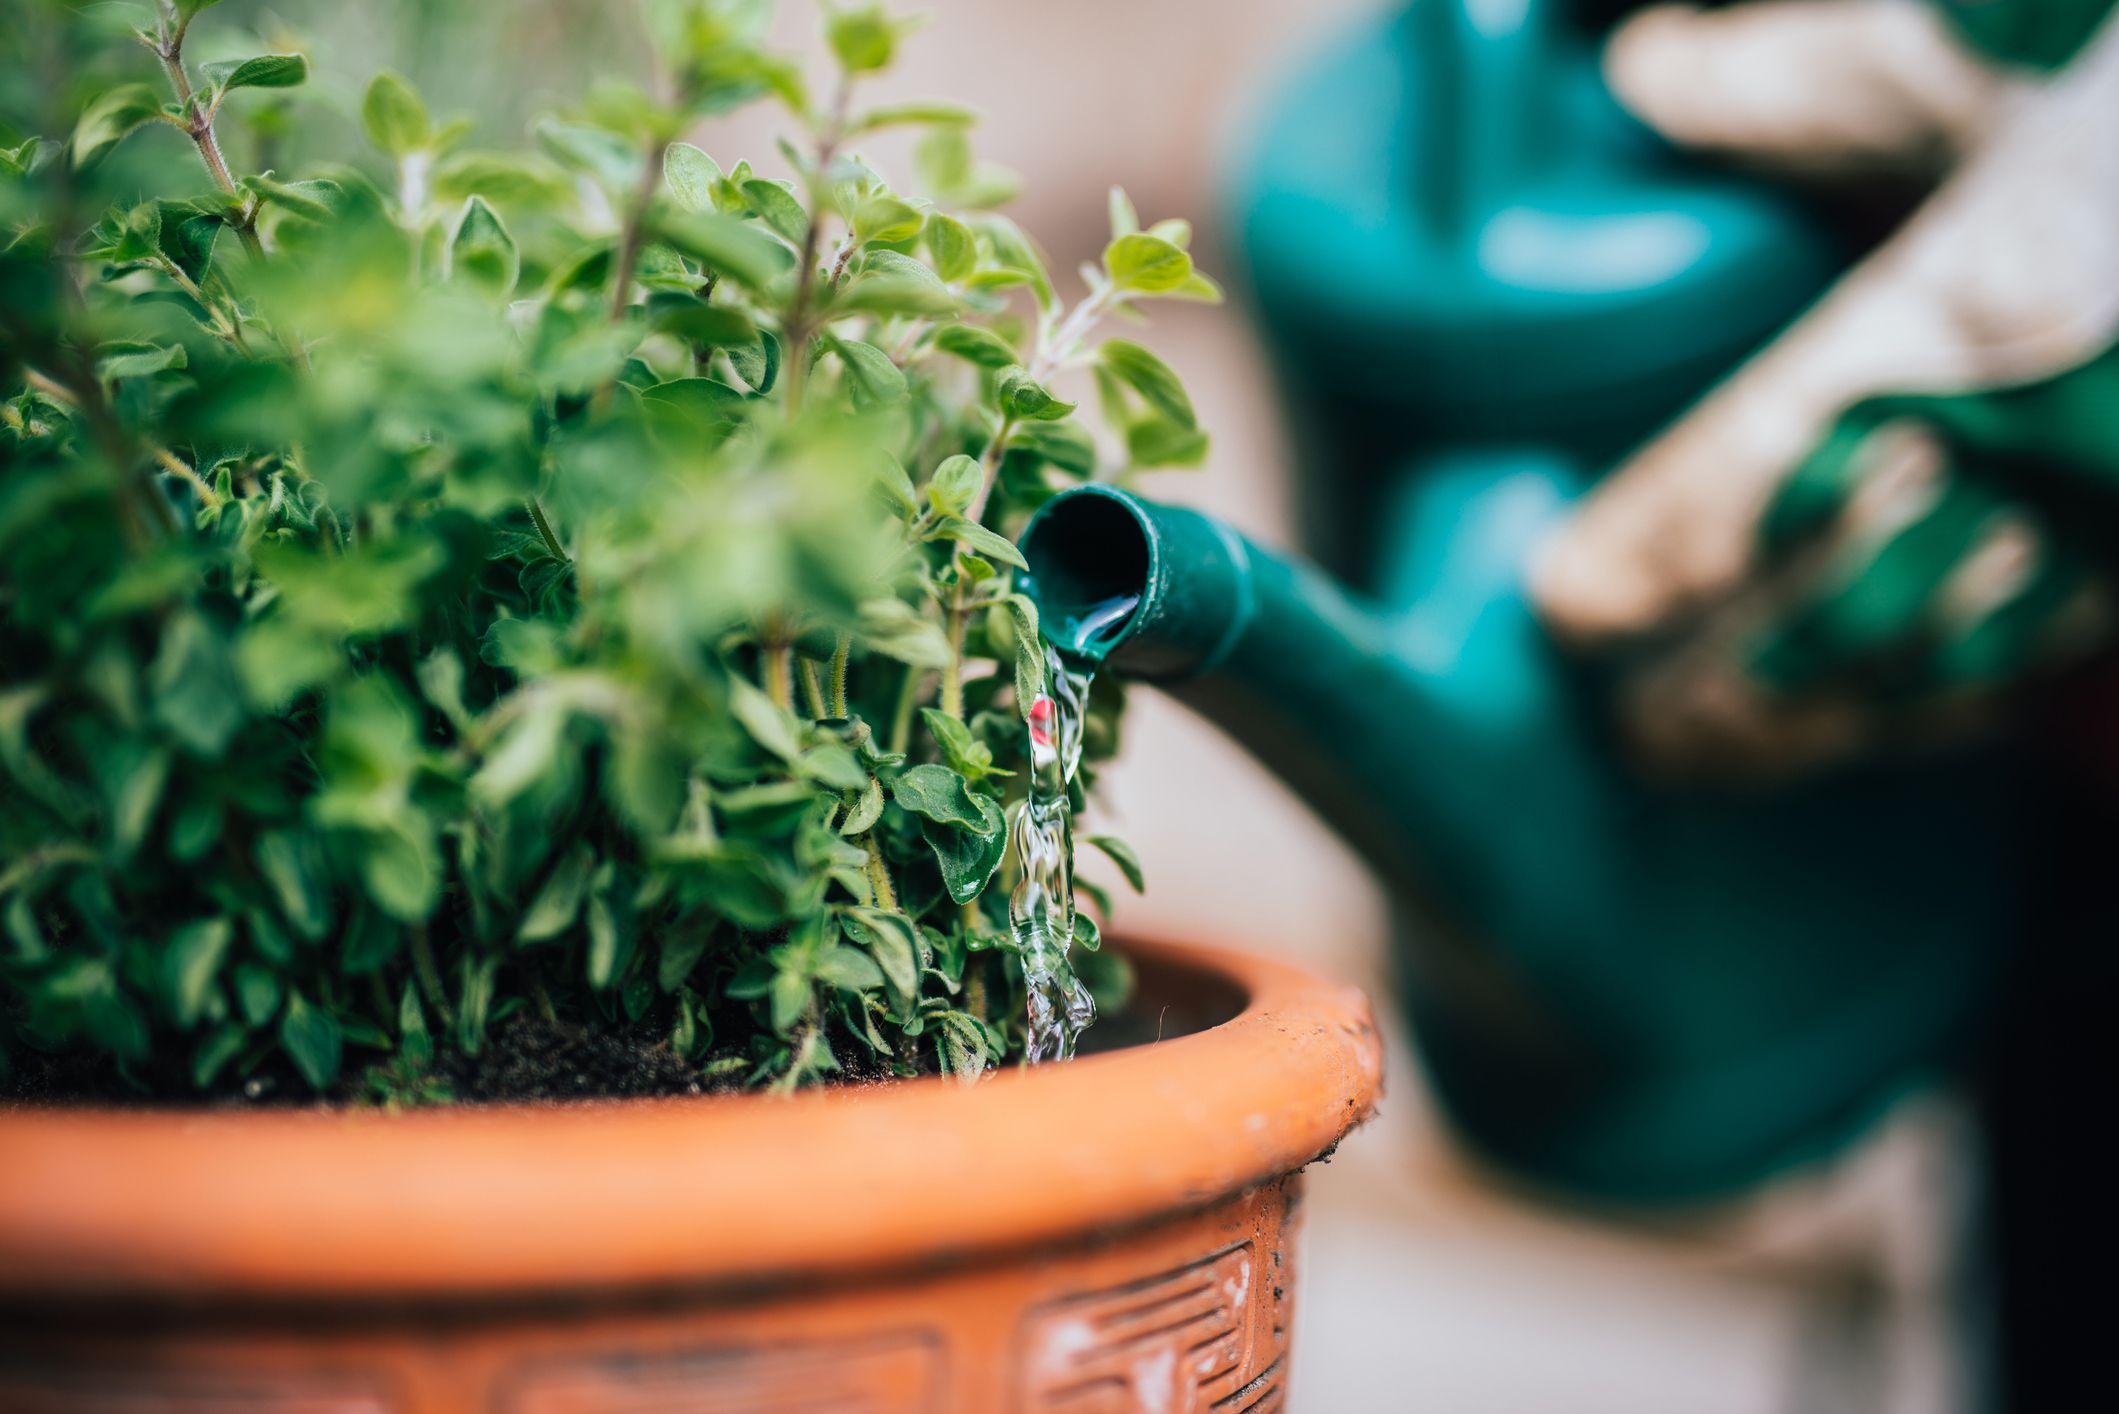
x: 570, y: 583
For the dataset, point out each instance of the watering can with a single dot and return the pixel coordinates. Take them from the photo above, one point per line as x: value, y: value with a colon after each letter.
x: 1482, y: 283
x: 1453, y: 235
x: 1624, y: 991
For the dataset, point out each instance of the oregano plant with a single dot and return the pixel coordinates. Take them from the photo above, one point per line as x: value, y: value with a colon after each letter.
x: 463, y: 590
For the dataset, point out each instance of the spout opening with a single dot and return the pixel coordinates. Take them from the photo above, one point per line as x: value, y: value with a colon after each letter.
x: 1091, y: 559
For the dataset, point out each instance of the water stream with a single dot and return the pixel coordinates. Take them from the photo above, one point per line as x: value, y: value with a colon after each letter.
x: 1041, y: 909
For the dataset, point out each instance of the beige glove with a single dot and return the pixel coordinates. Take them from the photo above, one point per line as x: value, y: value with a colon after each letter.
x: 2008, y: 274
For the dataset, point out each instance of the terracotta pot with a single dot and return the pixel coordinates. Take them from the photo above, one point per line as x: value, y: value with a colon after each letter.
x: 1112, y: 1234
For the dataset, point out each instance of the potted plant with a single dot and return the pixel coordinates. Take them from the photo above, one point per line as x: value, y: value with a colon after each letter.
x: 527, y: 625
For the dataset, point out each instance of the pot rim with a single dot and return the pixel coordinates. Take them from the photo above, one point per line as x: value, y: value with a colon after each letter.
x: 528, y: 1198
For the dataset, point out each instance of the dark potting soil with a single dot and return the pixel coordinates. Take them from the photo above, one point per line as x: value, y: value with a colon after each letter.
x: 524, y: 1058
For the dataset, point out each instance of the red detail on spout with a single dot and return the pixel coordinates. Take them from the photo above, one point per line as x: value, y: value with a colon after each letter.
x: 1041, y: 712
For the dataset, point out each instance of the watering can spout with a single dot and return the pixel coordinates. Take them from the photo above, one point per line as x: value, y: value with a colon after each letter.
x: 1621, y: 990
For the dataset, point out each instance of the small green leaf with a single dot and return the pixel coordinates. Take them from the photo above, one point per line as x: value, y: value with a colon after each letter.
x: 1029, y: 652
x: 413, y: 1039
x: 559, y: 901
x: 475, y: 1002
x: 1154, y: 440
x: 482, y: 251
x: 955, y: 485
x: 727, y: 245
x: 790, y: 998
x: 315, y: 201
x: 691, y: 176
x: 131, y: 359
x: 966, y: 752
x: 953, y: 245
x: 1012, y: 251
x: 310, y: 1037
x: 714, y: 325
x: 1176, y: 230
x: 290, y: 862
x: 1087, y: 935
x: 769, y: 724
x: 939, y: 794
x: 849, y: 968
x: 603, y: 943
x: 393, y: 116
x: 1022, y: 396
x: 967, y: 858
x: 895, y: 949
x: 1124, y: 220
x: 915, y: 111
x: 777, y: 205
x: 265, y: 71
x: 874, y: 375
x: 975, y: 345
x: 115, y: 113
x: 757, y: 360
x: 897, y: 486
x: 1198, y: 287
x: 1067, y: 445
x: 866, y: 811
x: 980, y: 539
x: 863, y: 38
x: 1146, y: 264
x: 887, y: 218
x: 1123, y: 856
x: 222, y: 1045
x: 193, y: 956
x: 681, y: 951
x: 1151, y: 378
x: 611, y: 159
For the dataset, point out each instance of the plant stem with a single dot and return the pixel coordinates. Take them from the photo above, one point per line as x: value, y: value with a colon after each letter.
x: 635, y: 231
x: 953, y: 675
x: 198, y: 125
x: 177, y: 468
x: 544, y: 528
x: 778, y: 685
x: 908, y: 698
x: 838, y: 674
x: 879, y: 874
x: 534, y: 975
x: 989, y: 468
x: 796, y: 328
x: 812, y: 694
x: 429, y: 975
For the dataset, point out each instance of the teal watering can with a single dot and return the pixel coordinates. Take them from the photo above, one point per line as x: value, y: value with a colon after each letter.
x: 1623, y: 992
x: 1453, y: 235
x: 1482, y: 283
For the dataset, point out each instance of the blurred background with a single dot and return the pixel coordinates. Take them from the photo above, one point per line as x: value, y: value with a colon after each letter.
x: 1427, y: 1284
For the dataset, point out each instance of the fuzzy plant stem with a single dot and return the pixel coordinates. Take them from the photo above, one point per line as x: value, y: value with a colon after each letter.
x: 838, y: 674
x: 544, y: 529
x: 779, y: 684
x: 197, y: 124
x: 908, y: 698
x: 812, y: 693
x: 800, y: 322
x: 634, y: 236
x: 429, y: 975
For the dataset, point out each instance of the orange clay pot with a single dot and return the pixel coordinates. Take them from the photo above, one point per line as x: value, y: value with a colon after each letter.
x: 1111, y: 1234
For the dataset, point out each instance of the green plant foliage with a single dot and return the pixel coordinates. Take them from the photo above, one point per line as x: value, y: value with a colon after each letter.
x: 421, y: 604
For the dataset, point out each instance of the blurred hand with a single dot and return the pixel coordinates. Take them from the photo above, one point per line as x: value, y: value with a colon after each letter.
x: 1822, y: 562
